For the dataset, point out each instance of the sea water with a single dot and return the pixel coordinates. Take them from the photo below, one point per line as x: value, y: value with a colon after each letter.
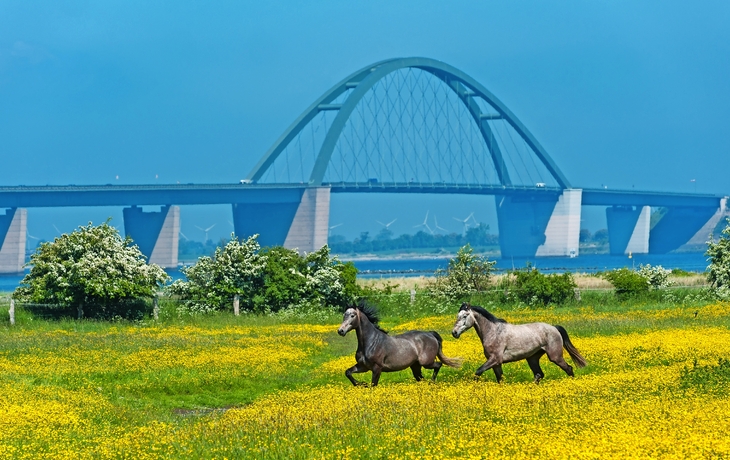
x: 405, y: 266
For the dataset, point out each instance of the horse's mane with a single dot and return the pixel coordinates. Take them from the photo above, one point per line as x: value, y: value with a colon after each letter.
x: 481, y: 311
x: 370, y: 311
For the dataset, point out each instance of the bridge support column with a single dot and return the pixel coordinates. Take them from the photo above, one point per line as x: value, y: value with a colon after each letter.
x: 157, y: 233
x: 699, y: 240
x: 308, y: 231
x: 680, y: 225
x: 628, y: 229
x: 539, y: 224
x: 13, y: 230
x: 295, y: 218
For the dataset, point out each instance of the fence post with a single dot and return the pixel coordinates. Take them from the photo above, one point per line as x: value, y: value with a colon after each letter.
x: 12, y: 312
x: 80, y: 311
x: 413, y: 296
x: 576, y: 292
x: 236, y: 301
x: 155, y: 308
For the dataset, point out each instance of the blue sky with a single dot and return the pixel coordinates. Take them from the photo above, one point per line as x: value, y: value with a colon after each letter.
x: 621, y: 93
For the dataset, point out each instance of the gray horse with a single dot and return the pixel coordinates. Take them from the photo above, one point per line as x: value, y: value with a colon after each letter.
x: 379, y: 352
x: 506, y: 343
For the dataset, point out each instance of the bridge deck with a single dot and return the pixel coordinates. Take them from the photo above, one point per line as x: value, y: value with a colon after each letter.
x: 187, y: 194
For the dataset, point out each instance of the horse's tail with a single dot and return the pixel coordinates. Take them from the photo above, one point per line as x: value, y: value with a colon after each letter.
x: 451, y: 362
x: 575, y: 355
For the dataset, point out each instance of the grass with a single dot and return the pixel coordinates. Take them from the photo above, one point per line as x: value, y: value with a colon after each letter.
x: 220, y: 386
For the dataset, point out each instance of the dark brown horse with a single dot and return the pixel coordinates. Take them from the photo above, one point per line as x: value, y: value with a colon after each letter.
x: 506, y: 343
x: 379, y: 352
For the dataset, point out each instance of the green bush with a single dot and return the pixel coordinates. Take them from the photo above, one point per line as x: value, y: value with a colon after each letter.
x: 627, y: 282
x: 93, y: 270
x: 534, y: 288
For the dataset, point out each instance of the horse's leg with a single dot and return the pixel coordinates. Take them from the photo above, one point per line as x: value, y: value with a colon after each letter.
x: 376, y: 374
x: 498, y: 372
x: 556, y: 356
x: 534, y: 362
x: 416, y: 369
x: 491, y: 362
x: 356, y: 369
x: 436, y: 366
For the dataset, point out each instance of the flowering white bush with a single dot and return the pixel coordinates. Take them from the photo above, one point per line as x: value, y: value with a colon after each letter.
x: 466, y: 274
x: 91, y: 268
x: 266, y: 280
x: 718, y: 272
x: 657, y: 277
x: 235, y: 269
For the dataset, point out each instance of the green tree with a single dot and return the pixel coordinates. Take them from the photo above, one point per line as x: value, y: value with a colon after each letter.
x: 93, y: 269
x: 718, y: 272
x: 601, y: 236
x: 584, y: 236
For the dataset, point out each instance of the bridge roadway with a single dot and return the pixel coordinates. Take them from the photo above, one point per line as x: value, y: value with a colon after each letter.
x: 192, y: 194
x: 532, y: 221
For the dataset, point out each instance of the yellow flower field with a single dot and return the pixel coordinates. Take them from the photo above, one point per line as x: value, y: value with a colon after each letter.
x: 279, y: 391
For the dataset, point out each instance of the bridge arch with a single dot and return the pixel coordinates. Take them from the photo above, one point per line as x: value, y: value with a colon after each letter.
x: 467, y: 89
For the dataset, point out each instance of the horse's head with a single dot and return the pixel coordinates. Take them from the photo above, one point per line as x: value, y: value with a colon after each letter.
x: 350, y: 321
x: 464, y: 320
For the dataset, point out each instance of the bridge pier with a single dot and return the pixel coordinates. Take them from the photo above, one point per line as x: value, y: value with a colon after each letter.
x: 628, y: 229
x: 293, y: 218
x: 699, y: 240
x: 682, y: 224
x: 157, y: 233
x: 539, y: 224
x: 13, y: 231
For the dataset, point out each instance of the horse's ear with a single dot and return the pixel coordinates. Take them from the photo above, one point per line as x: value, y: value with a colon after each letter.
x: 349, y: 304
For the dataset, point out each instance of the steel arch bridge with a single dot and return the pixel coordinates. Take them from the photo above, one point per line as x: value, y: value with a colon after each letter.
x: 412, y: 125
x: 407, y: 123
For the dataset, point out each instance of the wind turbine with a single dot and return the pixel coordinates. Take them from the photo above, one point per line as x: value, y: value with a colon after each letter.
x: 388, y: 224
x: 183, y: 235
x: 466, y: 221
x: 206, y: 230
x: 329, y: 233
x: 425, y: 224
x: 437, y: 224
x: 27, y: 242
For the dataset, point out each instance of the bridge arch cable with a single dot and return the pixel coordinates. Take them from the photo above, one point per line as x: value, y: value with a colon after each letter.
x: 410, y: 121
